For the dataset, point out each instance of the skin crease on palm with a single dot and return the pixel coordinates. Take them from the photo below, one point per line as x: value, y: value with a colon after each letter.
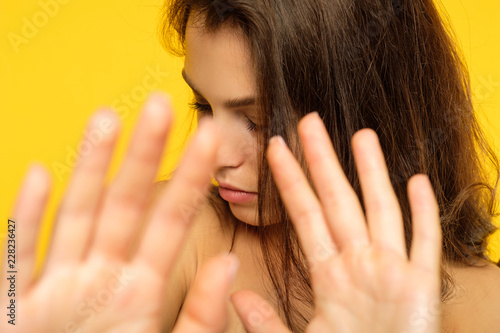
x: 366, y: 283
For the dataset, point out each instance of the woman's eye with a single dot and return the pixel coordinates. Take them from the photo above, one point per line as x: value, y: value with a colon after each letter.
x: 206, y: 109
x: 251, y: 126
x: 202, y: 108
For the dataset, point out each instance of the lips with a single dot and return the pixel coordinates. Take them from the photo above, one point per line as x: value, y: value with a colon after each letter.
x: 235, y: 195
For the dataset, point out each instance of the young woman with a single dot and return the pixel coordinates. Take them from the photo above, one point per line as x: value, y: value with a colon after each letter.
x: 259, y: 68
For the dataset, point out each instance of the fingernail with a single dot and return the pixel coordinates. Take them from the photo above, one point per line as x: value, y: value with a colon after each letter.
x: 155, y: 104
x: 160, y: 97
x: 280, y: 140
x: 203, y: 121
x: 205, y: 130
x: 157, y: 109
x: 37, y: 180
x: 157, y: 115
x: 105, y: 120
x: 35, y: 173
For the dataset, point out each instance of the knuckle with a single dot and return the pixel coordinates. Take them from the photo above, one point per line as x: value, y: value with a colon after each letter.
x: 126, y: 201
x: 307, y: 215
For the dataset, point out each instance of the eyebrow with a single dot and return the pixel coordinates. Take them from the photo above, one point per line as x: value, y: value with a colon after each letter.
x: 233, y: 103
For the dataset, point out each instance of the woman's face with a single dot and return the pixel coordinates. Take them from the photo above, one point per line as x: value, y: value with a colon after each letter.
x: 218, y: 68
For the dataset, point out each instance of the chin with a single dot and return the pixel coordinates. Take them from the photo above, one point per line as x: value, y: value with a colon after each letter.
x: 245, y: 213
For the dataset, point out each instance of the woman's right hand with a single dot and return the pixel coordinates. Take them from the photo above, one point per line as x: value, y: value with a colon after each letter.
x: 362, y: 278
x: 104, y: 273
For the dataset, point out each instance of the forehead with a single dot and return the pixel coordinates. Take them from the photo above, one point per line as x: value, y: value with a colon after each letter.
x: 218, y: 63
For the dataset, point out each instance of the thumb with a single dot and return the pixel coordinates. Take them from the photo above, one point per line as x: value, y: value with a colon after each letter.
x: 205, y: 309
x: 256, y: 313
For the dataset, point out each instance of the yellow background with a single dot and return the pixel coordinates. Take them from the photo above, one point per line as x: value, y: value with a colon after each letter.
x: 91, y: 53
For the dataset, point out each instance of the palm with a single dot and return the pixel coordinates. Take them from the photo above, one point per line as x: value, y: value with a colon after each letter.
x: 363, y: 279
x: 96, y: 296
x: 111, y: 255
x: 375, y: 290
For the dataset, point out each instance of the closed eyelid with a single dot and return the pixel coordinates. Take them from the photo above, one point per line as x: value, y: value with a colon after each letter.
x: 206, y: 109
x: 200, y: 97
x: 233, y: 103
x: 246, y: 110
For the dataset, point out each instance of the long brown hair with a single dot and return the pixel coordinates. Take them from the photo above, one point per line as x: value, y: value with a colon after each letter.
x: 389, y: 65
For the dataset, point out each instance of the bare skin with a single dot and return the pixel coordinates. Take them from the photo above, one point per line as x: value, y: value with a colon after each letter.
x: 363, y: 280
x: 218, y: 66
x: 92, y: 282
x: 81, y: 270
x: 477, y: 288
x: 476, y: 291
x: 476, y: 299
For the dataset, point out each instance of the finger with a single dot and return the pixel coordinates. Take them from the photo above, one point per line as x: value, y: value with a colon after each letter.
x: 27, y: 217
x: 383, y: 214
x: 205, y: 308
x: 180, y: 201
x: 301, y: 202
x: 256, y: 314
x: 427, y: 235
x: 79, y: 208
x: 126, y: 200
x: 340, y: 203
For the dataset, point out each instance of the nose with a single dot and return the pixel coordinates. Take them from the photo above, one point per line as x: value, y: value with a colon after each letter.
x: 229, y: 155
x: 231, y: 151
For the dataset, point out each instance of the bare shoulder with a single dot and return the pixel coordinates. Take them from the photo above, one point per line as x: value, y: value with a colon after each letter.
x: 475, y: 301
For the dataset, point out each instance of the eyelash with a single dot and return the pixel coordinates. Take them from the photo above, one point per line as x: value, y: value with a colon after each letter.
x: 206, y: 109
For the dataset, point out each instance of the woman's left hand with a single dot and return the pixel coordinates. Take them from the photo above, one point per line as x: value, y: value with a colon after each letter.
x: 111, y: 254
x: 363, y: 280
